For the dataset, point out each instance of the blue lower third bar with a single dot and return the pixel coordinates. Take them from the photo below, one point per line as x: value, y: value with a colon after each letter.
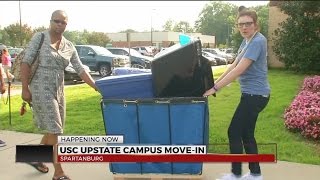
x: 34, y: 153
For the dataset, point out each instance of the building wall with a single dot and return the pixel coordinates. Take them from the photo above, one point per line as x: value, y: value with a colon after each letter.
x: 275, y: 17
x: 159, y: 39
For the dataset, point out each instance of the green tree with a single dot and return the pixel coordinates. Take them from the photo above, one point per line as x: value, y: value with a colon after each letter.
x: 83, y: 38
x: 14, y: 36
x: 216, y: 19
x: 297, y: 41
x: 98, y: 38
x: 77, y: 37
x: 263, y: 17
x: 72, y: 36
x: 4, y: 37
x: 40, y: 29
x: 128, y: 31
x: 182, y: 26
x: 168, y: 26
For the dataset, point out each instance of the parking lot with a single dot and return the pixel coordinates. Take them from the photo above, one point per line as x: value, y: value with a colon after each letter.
x: 16, y: 86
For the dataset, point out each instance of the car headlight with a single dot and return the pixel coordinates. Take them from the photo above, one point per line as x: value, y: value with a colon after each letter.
x: 120, y: 62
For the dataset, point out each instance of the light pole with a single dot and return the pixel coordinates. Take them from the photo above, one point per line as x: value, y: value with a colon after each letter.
x: 20, y: 25
x: 151, y: 29
x: 228, y: 36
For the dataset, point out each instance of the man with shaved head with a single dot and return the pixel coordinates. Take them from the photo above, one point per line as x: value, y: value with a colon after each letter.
x: 46, y: 90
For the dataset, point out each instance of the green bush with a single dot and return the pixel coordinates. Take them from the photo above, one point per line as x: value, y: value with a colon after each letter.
x: 297, y: 41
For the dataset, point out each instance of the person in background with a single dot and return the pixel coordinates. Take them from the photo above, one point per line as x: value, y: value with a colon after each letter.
x: 6, y: 64
x: 2, y: 90
x: 251, y: 68
x: 46, y: 90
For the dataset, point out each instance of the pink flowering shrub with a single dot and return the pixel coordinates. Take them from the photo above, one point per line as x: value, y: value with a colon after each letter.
x: 303, y: 115
x: 312, y: 84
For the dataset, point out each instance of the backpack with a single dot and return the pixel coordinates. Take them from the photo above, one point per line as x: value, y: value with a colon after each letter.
x: 17, y: 62
x: 16, y: 65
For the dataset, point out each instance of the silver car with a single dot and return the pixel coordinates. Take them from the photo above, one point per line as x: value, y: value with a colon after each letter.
x: 219, y: 60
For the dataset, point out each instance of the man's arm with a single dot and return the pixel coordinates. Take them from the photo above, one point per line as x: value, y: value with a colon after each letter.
x: 86, y: 77
x: 25, y: 74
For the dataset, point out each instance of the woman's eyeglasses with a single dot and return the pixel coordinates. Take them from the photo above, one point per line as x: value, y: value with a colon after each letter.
x: 58, y: 21
x: 246, y: 24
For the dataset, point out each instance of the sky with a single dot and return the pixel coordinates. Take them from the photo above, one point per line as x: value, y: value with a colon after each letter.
x: 107, y: 16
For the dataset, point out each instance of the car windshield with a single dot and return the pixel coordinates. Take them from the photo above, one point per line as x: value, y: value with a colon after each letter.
x: 102, y: 50
x: 229, y: 51
x: 210, y: 50
x: 218, y: 51
x: 149, y: 49
x: 208, y: 54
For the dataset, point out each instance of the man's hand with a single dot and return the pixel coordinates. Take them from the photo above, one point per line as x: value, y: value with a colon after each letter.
x: 26, y: 95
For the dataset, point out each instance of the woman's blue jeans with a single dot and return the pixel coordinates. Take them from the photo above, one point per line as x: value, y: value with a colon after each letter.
x: 242, y: 127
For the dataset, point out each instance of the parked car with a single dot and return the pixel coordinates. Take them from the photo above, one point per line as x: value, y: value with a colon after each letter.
x: 163, y: 48
x: 71, y: 75
x: 230, y: 52
x: 219, y: 60
x: 14, y: 52
x: 144, y: 50
x: 213, y: 60
x: 137, y: 60
x: 217, y: 52
x: 100, y: 59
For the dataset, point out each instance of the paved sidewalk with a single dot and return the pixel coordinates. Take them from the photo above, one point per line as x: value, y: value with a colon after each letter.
x: 9, y: 170
x: 16, y: 87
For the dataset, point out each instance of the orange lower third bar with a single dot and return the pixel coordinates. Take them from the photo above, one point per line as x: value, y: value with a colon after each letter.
x: 168, y: 158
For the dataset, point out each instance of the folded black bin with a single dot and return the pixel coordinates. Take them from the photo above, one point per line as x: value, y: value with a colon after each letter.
x: 181, y: 71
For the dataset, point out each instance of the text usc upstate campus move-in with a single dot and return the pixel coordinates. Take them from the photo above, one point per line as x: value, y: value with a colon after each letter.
x: 131, y: 150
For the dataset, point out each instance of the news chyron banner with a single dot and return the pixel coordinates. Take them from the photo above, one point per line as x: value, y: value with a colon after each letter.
x: 112, y: 149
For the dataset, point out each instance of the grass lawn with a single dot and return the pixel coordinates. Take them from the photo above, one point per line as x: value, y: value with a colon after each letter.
x: 84, y: 116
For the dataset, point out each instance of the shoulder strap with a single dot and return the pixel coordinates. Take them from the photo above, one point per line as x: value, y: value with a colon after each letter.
x: 39, y: 47
x: 41, y: 41
x: 35, y: 62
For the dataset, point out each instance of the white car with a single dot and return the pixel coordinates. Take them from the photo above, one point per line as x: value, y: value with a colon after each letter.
x: 213, y: 60
x: 219, y: 60
x: 144, y: 50
x: 217, y: 52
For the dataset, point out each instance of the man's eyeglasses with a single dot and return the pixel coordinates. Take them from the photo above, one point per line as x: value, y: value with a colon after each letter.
x: 58, y: 21
x: 246, y: 24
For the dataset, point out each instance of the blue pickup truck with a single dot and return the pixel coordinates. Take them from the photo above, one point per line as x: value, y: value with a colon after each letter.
x: 99, y: 59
